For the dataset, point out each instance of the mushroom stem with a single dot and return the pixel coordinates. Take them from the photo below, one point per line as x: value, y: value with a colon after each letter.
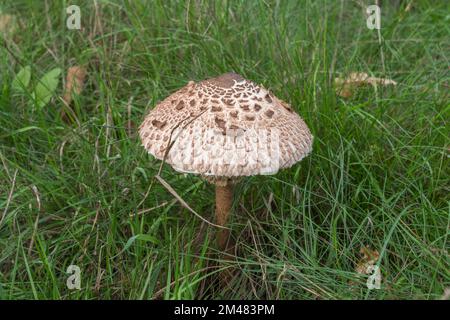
x: 224, y: 200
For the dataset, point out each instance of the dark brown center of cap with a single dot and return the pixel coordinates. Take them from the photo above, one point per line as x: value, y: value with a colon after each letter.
x: 226, y: 80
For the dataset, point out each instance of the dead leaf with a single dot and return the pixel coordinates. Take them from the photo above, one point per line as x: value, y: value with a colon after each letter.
x: 74, y: 82
x: 345, y: 87
x: 8, y: 24
x: 368, y: 259
x: 409, y: 6
x: 74, y: 85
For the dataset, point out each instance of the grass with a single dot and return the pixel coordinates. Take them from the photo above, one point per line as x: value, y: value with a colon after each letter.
x: 378, y: 176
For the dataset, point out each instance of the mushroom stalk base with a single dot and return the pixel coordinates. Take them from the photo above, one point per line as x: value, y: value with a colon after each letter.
x: 224, y: 200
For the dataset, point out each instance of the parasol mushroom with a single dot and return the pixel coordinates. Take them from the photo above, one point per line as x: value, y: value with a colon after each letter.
x: 222, y: 129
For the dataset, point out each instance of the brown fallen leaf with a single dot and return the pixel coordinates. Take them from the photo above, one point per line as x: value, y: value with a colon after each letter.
x: 409, y: 6
x: 368, y: 259
x: 74, y: 82
x: 74, y: 85
x: 345, y: 87
x: 8, y: 24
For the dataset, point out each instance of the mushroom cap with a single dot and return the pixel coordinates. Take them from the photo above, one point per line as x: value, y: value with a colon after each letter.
x: 225, y: 127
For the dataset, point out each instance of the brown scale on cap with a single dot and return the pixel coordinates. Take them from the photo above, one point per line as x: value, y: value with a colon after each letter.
x: 220, y: 105
x: 159, y: 124
x: 226, y: 80
x: 180, y: 105
x: 220, y: 123
x: 228, y: 102
x: 245, y: 107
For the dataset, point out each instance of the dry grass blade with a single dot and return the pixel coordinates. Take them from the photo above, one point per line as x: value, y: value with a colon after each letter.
x: 36, y: 222
x: 86, y: 241
x: 130, y: 123
x: 13, y: 184
x: 141, y: 212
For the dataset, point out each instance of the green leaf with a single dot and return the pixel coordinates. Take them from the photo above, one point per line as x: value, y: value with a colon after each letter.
x: 46, y: 87
x: 22, y: 79
x: 142, y: 237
